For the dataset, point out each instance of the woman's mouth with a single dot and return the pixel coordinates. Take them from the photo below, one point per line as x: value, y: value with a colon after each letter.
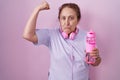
x: 67, y: 30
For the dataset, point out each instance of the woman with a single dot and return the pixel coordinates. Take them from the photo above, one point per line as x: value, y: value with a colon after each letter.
x: 66, y: 44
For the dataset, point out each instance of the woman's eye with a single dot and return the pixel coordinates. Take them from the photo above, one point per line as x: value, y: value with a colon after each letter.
x: 71, y: 18
x: 63, y: 18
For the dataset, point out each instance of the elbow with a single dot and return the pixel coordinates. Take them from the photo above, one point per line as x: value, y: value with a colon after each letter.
x: 26, y: 36
x: 31, y: 38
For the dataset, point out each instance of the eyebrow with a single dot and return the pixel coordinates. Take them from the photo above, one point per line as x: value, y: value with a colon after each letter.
x: 68, y: 16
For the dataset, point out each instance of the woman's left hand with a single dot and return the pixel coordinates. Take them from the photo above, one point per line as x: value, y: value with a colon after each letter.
x: 94, y: 53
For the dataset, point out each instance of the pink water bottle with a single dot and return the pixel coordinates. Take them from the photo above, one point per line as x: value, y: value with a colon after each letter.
x: 90, y: 44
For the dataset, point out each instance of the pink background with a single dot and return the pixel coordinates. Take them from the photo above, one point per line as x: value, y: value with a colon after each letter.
x: 21, y: 60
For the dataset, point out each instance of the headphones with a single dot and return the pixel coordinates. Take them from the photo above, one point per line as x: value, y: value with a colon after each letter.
x: 71, y: 36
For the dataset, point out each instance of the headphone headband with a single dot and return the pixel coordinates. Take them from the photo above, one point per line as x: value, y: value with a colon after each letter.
x: 71, y: 35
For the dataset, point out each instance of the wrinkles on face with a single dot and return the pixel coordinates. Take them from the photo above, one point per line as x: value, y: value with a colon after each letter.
x: 68, y: 20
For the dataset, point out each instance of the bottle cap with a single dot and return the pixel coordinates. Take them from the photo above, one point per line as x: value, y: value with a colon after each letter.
x: 91, y: 33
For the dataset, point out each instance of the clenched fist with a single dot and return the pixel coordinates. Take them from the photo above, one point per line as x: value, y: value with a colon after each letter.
x: 43, y: 6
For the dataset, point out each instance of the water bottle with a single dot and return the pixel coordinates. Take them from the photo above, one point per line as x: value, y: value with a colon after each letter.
x: 90, y: 44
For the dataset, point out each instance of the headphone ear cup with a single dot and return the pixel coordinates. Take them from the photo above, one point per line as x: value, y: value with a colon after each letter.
x: 72, y: 35
x: 65, y: 35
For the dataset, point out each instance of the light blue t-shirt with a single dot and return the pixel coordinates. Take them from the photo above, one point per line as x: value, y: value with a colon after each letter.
x: 67, y: 57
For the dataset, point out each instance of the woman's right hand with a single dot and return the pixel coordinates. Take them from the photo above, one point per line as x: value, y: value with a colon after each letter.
x: 43, y: 6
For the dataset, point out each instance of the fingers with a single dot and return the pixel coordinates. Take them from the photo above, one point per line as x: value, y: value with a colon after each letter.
x: 45, y: 5
x: 94, y: 53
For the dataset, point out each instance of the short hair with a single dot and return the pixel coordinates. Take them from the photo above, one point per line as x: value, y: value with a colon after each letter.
x: 73, y: 6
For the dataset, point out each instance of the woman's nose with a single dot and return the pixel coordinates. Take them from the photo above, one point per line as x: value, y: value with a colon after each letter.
x: 67, y: 22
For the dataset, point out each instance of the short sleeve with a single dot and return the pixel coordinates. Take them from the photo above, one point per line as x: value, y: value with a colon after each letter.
x: 43, y: 37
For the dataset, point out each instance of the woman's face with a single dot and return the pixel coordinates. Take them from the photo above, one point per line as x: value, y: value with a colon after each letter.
x: 68, y: 20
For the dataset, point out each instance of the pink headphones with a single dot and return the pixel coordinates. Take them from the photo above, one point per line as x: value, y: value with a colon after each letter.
x: 71, y: 36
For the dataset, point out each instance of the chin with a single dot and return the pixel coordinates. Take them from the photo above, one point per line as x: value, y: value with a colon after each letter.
x: 67, y: 31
